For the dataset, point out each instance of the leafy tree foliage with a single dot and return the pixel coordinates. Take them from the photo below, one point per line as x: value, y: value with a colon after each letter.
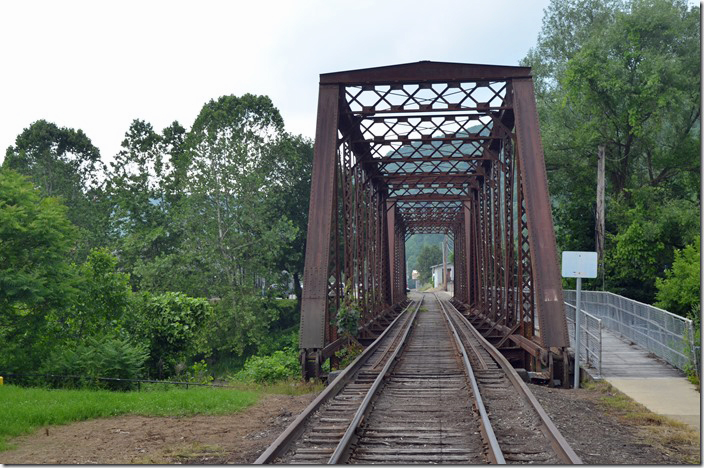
x: 217, y: 212
x: 108, y: 356
x: 174, y: 326
x: 230, y: 238
x: 35, y: 276
x: 624, y: 75
x: 63, y: 162
x: 102, y: 301
x: 280, y: 365
x: 429, y: 256
x: 414, y: 245
x: 680, y: 290
x: 291, y: 162
x: 145, y: 189
x: 36, y: 239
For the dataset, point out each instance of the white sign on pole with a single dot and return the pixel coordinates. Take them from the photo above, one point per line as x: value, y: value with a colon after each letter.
x: 579, y: 264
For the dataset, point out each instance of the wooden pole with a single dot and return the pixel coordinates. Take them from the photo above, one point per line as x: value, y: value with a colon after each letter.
x: 600, y: 213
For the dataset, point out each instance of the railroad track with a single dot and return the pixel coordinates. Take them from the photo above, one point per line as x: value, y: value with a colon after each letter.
x: 430, y: 389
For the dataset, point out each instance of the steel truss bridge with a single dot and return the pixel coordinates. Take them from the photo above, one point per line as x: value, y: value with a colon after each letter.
x: 432, y: 147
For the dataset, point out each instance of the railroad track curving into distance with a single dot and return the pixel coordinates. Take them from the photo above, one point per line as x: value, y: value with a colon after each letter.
x: 430, y: 389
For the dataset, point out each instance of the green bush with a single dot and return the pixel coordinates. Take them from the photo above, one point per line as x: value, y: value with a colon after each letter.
x: 679, y: 291
x: 199, y: 373
x: 280, y: 365
x: 348, y: 354
x: 107, y: 357
x: 349, y: 312
x: 175, y: 327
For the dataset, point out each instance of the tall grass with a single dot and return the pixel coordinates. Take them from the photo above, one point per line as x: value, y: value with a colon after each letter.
x: 23, y: 410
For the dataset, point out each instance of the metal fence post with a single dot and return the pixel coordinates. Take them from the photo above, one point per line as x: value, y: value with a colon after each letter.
x: 693, y: 348
x: 600, y: 344
x: 576, y: 334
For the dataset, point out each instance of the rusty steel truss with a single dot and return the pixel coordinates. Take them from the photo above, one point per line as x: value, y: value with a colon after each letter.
x: 432, y: 147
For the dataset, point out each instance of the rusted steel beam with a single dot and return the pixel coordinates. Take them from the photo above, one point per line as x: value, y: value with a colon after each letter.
x: 320, y: 213
x: 427, y: 139
x: 468, y: 256
x: 546, y: 274
x: 391, y: 236
x: 387, y: 161
x: 428, y: 198
x: 426, y: 72
x: 429, y: 178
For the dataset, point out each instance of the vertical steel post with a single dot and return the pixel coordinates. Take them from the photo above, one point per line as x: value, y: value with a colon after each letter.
x: 543, y: 248
x: 468, y: 252
x: 315, y: 289
x: 391, y: 235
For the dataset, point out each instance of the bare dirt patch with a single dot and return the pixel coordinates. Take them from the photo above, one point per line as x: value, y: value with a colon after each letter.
x: 603, y: 433
x: 236, y: 438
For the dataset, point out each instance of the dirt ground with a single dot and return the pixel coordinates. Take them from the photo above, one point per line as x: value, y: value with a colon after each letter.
x: 608, y: 436
x: 238, y: 438
x: 597, y: 435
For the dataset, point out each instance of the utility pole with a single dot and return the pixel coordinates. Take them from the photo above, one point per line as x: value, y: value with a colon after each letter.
x: 444, y: 263
x: 600, y: 213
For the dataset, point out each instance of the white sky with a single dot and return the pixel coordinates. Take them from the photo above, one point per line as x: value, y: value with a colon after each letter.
x: 97, y: 65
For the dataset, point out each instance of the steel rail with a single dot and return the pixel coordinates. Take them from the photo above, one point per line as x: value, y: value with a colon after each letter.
x: 282, y: 443
x: 557, y: 441
x: 479, y: 357
x: 496, y: 456
x: 344, y: 444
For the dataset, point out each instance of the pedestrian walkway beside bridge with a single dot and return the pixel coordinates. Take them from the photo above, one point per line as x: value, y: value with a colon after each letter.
x: 640, y: 349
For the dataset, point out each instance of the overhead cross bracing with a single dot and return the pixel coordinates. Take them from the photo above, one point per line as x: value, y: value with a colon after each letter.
x: 431, y: 147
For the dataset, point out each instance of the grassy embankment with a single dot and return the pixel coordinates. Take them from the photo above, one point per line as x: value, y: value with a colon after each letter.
x: 24, y: 410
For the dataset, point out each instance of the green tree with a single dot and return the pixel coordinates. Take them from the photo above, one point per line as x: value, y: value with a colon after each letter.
x: 236, y: 167
x: 36, y: 238
x: 102, y: 302
x: 429, y: 256
x: 414, y: 245
x: 292, y: 163
x: 145, y: 190
x: 233, y: 237
x: 624, y: 75
x: 63, y: 162
x: 637, y: 82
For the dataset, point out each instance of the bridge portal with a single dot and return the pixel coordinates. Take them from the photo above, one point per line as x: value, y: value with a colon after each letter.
x: 432, y: 147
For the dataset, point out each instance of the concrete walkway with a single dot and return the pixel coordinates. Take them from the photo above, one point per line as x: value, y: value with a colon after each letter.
x: 648, y: 380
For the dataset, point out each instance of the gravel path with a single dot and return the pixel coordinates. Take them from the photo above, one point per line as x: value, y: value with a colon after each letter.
x: 599, y: 436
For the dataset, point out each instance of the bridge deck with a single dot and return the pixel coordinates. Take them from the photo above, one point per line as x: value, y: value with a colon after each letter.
x: 648, y: 380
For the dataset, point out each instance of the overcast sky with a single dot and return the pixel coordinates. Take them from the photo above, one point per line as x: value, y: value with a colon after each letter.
x: 97, y: 65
